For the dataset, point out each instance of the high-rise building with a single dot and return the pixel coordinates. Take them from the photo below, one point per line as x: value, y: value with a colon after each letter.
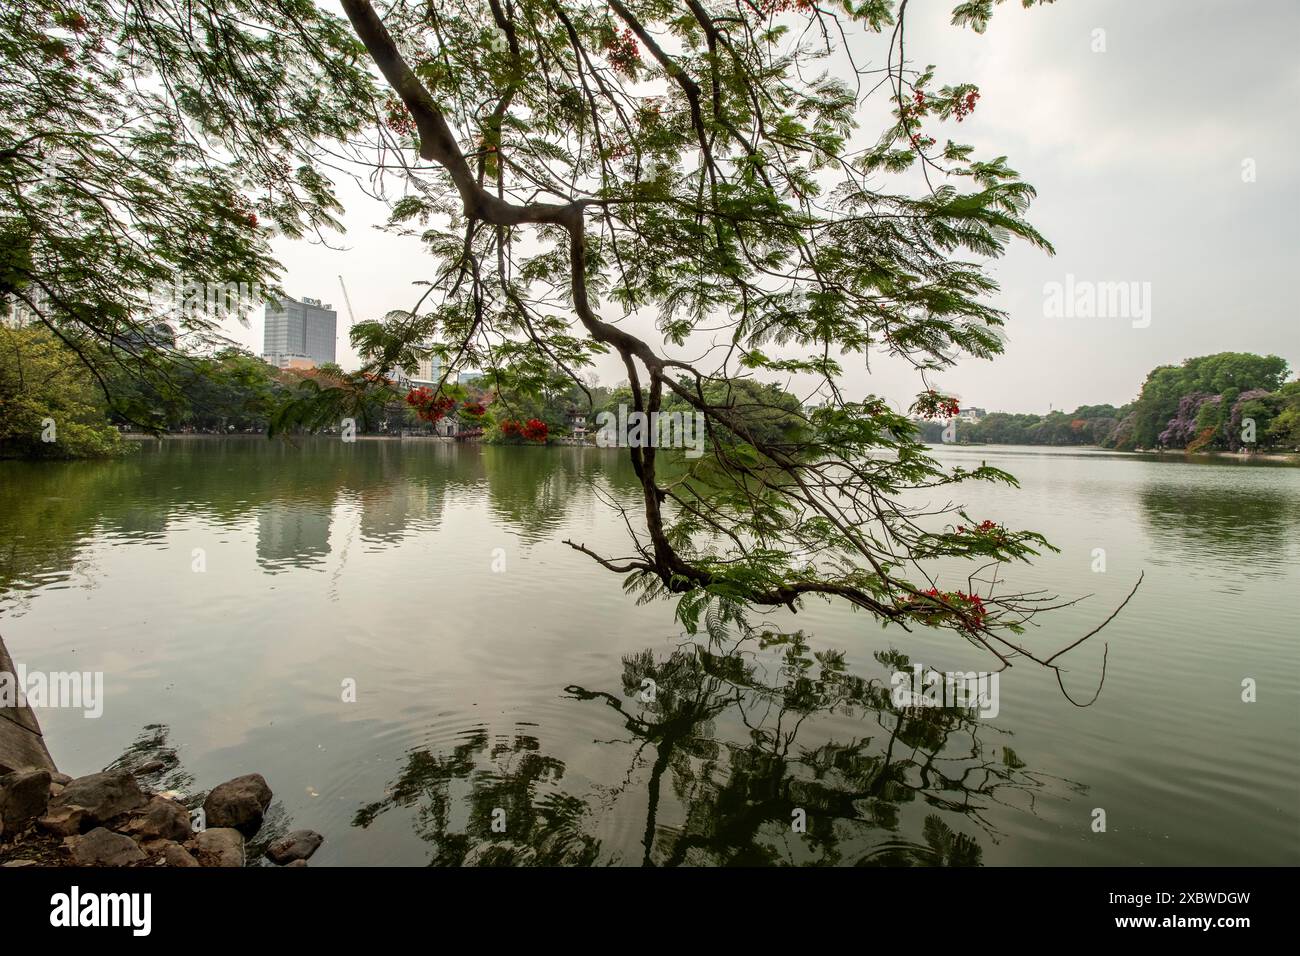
x: 429, y: 372
x: 297, y: 330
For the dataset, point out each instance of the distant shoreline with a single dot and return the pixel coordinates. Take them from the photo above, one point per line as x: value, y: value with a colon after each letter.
x: 1288, y: 457
x: 202, y: 436
x: 1285, y: 457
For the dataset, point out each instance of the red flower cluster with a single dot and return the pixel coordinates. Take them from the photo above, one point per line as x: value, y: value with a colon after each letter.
x: 239, y: 210
x: 974, y: 606
x: 933, y: 405
x: 965, y: 105
x: 623, y: 52
x: 398, y: 117
x: 970, y: 606
x: 473, y: 409
x: 910, y: 114
x: 986, y: 529
x: 428, y: 405
x: 532, y: 430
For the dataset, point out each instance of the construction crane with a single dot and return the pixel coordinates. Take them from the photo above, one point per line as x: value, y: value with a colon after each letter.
x: 400, y: 376
x: 352, y: 319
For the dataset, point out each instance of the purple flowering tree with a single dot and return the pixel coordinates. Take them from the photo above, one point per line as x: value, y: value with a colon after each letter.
x: 1182, y: 427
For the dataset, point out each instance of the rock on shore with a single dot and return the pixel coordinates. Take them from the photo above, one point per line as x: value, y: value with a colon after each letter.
x: 238, y: 803
x: 298, y: 845
x: 106, y: 819
x: 24, y: 795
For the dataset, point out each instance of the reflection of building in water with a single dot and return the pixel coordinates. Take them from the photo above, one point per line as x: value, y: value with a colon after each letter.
x: 292, y: 532
x: 388, y: 511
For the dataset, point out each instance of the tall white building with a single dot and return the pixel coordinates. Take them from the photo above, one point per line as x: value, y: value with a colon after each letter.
x: 299, y: 330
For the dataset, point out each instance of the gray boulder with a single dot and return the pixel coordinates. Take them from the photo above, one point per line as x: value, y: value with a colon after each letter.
x: 218, y: 846
x: 102, y: 847
x: 101, y: 796
x: 298, y: 845
x: 24, y: 796
x: 161, y: 819
x: 238, y: 803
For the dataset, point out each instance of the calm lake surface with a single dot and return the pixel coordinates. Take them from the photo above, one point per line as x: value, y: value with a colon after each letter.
x: 481, y: 687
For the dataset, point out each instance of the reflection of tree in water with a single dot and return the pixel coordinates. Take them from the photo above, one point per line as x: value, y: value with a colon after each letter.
x: 51, y: 511
x: 740, y: 798
x: 152, y: 748
x: 1243, y: 522
x: 737, y: 797
x: 533, y: 489
x: 156, y: 765
x: 543, y: 825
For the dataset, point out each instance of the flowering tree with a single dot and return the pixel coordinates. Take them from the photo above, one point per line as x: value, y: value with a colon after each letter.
x: 430, y: 405
x: 1183, y: 427
x: 710, y: 164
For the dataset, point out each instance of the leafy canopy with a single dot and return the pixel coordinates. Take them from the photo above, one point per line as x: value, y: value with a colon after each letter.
x: 774, y: 182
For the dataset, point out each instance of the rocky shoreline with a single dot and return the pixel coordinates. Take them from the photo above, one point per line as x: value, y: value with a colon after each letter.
x: 107, y: 819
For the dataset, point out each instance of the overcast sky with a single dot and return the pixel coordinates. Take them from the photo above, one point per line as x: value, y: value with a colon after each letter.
x: 1137, y: 153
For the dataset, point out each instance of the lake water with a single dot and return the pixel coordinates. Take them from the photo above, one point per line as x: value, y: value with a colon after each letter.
x: 231, y: 590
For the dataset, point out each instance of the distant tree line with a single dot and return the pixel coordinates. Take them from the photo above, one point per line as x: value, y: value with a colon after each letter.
x: 1222, y: 402
x: 1226, y: 401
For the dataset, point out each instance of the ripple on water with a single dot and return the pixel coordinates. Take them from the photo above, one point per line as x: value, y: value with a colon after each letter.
x: 377, y: 563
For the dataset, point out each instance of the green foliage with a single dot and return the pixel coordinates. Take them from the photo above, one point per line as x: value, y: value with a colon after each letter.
x: 313, y: 401
x: 46, y: 394
x: 576, y: 162
x: 1086, y: 425
x: 1247, y: 386
x: 150, y: 144
x: 1284, y: 428
x: 231, y: 390
x: 1216, y: 374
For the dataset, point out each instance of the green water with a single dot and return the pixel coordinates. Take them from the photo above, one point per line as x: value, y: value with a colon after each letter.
x: 496, y: 669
